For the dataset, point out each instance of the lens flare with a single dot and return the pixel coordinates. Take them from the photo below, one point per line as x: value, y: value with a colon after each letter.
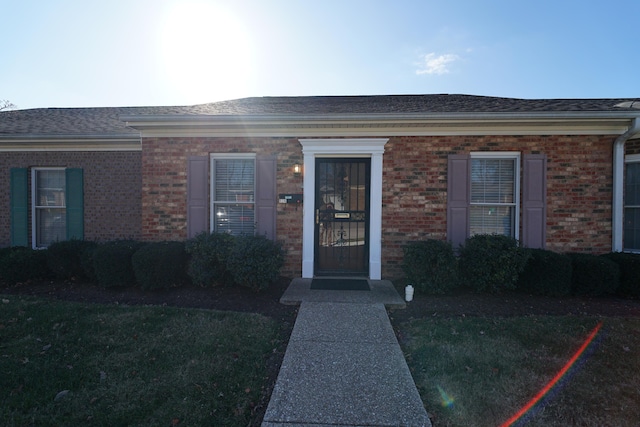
x: 447, y: 401
x: 555, y: 379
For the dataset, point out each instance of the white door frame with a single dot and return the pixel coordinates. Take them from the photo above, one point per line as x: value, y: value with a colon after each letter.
x: 372, y: 148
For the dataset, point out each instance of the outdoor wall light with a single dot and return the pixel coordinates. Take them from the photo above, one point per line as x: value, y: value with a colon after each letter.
x: 297, y: 169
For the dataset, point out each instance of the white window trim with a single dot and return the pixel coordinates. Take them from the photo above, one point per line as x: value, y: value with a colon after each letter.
x: 630, y: 158
x: 510, y: 155
x: 34, y: 222
x: 226, y: 156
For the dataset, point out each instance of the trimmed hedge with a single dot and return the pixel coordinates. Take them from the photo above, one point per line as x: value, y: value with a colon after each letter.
x: 431, y: 266
x: 594, y: 275
x: 629, y: 273
x: 491, y: 262
x: 160, y: 265
x: 546, y: 273
x: 66, y: 260
x: 208, y: 258
x: 112, y: 263
x: 21, y: 264
x: 255, y: 261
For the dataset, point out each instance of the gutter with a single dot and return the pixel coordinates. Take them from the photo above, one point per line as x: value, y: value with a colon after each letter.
x: 618, y: 184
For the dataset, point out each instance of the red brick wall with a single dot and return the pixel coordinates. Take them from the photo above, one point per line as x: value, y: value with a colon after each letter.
x: 121, y: 204
x: 111, y: 190
x: 579, y: 182
x: 579, y: 170
x: 164, y: 184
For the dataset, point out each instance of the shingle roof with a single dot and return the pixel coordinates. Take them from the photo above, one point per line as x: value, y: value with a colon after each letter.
x: 107, y: 120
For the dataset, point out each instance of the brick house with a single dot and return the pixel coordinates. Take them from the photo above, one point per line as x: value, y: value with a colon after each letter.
x: 343, y: 182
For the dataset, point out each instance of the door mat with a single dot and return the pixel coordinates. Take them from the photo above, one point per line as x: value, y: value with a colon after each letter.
x: 340, y: 284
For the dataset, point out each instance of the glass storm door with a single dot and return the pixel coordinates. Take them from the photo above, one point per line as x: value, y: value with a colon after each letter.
x: 342, y: 216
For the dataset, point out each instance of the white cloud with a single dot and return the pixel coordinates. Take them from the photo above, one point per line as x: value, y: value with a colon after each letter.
x: 432, y: 64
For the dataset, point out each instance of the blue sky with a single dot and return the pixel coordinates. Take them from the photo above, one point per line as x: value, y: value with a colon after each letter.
x: 88, y: 53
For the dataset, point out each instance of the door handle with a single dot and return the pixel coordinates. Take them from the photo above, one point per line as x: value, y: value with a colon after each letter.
x: 317, y: 216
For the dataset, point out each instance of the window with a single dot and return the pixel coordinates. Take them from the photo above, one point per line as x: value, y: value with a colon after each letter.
x: 49, y: 206
x: 631, y: 233
x: 56, y: 206
x: 233, y: 194
x: 494, y: 194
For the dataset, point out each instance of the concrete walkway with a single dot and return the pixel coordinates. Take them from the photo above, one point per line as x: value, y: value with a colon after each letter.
x: 343, y: 365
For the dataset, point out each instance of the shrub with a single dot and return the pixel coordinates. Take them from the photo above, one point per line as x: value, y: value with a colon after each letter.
x: 4, y: 253
x: 491, y: 262
x: 112, y: 263
x: 86, y: 260
x: 629, y: 273
x: 21, y: 264
x: 65, y: 259
x: 208, y: 263
x: 160, y: 265
x: 255, y: 261
x: 546, y: 273
x: 593, y: 275
x: 431, y: 266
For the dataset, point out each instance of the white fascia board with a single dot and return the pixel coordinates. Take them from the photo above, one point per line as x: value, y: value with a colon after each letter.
x: 379, y: 126
x: 70, y: 143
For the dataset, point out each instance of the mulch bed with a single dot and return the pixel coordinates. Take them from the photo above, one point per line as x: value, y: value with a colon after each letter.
x: 228, y: 298
x: 266, y: 302
x: 466, y: 303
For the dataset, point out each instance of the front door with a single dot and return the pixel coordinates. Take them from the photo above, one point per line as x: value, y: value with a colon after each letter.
x: 342, y: 216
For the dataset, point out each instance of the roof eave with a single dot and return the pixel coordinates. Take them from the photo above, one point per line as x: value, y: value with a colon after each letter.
x: 70, y: 142
x: 529, y: 123
x: 431, y: 116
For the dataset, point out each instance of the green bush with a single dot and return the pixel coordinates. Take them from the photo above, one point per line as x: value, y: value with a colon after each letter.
x: 208, y: 258
x: 593, y: 275
x: 112, y: 263
x: 86, y: 260
x: 491, y: 262
x: 66, y: 259
x: 255, y: 261
x: 431, y: 266
x: 21, y: 264
x: 160, y: 265
x: 546, y: 273
x: 629, y: 273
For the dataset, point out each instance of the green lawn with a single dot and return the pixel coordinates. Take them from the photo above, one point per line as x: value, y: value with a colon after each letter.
x: 72, y: 364
x: 69, y: 364
x: 482, y: 371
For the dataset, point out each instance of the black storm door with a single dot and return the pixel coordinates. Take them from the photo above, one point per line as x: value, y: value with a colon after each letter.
x: 342, y: 216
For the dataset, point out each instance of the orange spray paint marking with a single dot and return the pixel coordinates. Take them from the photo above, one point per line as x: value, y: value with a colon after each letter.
x: 555, y: 379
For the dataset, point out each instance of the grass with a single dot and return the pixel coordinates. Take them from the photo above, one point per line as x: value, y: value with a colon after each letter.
x: 482, y: 371
x: 69, y: 364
